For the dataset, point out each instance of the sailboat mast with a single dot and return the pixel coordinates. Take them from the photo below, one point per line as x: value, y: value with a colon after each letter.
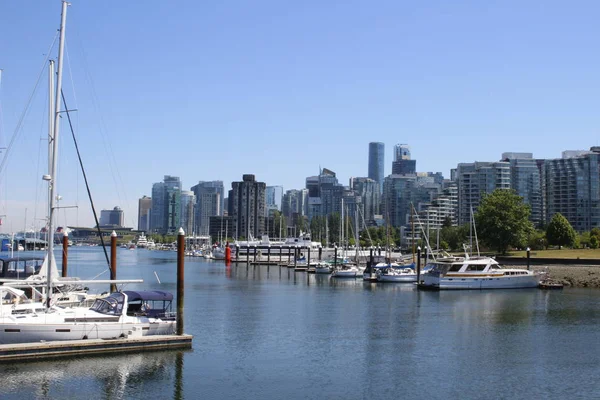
x: 50, y: 121
x: 53, y: 170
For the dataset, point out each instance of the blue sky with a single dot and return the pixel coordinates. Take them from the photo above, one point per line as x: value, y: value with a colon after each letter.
x: 214, y: 89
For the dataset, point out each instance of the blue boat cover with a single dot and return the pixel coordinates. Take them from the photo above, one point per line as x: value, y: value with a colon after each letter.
x: 148, y: 295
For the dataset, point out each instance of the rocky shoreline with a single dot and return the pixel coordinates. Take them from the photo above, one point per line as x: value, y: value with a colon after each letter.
x: 583, y: 276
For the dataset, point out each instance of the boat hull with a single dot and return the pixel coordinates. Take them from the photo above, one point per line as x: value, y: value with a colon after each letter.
x: 345, y: 274
x: 30, y: 333
x: 477, y: 283
x: 397, y: 278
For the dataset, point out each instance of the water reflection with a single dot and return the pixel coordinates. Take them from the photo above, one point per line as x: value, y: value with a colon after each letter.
x: 116, y: 377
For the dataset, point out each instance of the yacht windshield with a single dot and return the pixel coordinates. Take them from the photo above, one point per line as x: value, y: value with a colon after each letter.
x: 112, y: 304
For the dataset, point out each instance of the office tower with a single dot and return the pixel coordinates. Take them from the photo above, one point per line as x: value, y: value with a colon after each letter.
x: 144, y: 207
x: 572, y: 186
x: 247, y: 201
x: 112, y: 217
x: 376, y: 163
x: 401, y: 152
x: 402, y: 163
x: 477, y: 178
x: 273, y: 198
x: 210, y: 200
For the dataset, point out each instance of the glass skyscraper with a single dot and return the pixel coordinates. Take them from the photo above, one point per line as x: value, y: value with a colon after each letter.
x: 376, y: 163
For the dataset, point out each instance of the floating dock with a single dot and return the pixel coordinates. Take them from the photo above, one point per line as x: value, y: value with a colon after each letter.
x: 70, y: 348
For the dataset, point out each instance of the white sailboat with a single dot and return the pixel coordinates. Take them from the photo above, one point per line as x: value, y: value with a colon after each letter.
x: 344, y: 270
x: 118, y: 315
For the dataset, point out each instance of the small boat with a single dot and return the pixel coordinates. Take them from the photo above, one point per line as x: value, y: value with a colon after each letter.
x: 322, y: 268
x: 396, y: 273
x: 346, y: 271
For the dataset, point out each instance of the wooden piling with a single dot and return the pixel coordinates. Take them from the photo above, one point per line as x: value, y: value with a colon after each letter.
x: 180, y: 279
x: 65, y: 253
x: 418, y: 264
x: 113, y: 260
x: 335, y: 257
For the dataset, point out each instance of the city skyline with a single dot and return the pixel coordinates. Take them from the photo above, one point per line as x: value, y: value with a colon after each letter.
x: 267, y: 96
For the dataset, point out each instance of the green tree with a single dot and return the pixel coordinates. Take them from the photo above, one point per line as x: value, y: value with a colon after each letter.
x: 454, y: 236
x: 560, y: 232
x: 503, y: 220
x: 537, y: 240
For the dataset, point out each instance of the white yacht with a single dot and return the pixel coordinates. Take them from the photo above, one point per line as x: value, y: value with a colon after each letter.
x: 142, y: 242
x: 394, y: 272
x: 121, y: 314
x: 476, y: 273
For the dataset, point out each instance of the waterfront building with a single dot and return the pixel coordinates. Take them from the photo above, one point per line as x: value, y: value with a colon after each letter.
x: 376, y: 163
x: 188, y: 203
x: 144, y: 207
x: 247, y: 207
x: 112, y: 217
x: 166, y: 203
x: 474, y: 179
x: 209, y: 202
x: 525, y: 180
x: 572, y: 186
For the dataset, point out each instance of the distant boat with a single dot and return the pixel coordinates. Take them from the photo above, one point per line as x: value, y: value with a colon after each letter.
x: 142, y: 242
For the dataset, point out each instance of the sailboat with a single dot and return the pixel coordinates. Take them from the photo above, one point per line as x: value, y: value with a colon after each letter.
x: 389, y: 271
x: 120, y: 314
x: 345, y: 269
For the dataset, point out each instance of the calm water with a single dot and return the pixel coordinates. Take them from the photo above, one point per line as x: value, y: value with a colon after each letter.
x: 270, y: 333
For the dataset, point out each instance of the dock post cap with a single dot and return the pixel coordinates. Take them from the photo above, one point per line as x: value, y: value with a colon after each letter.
x: 528, y: 249
x: 113, y: 234
x: 65, y: 234
x: 181, y: 232
x: 419, y: 248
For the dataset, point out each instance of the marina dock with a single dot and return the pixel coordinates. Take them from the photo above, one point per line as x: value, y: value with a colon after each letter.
x: 70, y: 348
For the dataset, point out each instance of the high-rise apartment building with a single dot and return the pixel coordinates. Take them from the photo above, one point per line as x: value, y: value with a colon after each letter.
x: 295, y: 202
x: 210, y: 200
x: 247, y: 207
x: 368, y: 190
x: 572, y: 186
x: 477, y: 178
x: 144, y: 207
x: 376, y: 163
x: 525, y: 180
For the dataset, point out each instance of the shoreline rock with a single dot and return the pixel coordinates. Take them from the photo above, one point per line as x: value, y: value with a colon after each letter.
x: 582, y: 276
